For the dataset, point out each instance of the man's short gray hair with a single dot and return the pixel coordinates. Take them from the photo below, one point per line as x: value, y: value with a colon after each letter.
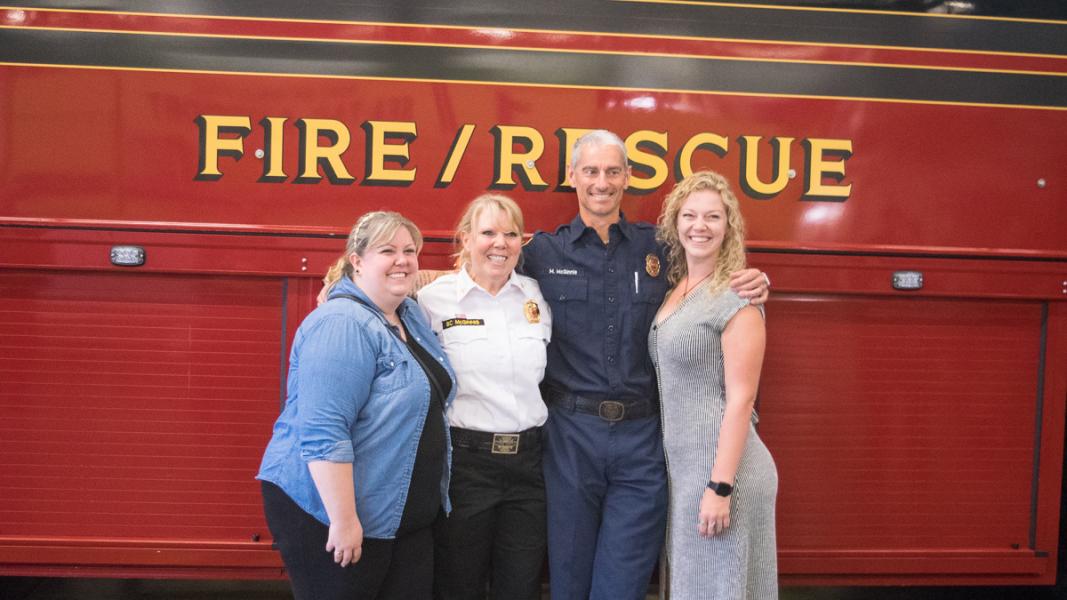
x: 597, y: 137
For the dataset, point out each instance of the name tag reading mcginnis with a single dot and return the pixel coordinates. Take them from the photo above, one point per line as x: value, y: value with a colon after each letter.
x: 460, y: 322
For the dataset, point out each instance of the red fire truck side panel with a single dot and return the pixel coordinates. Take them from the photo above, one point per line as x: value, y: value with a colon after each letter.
x: 918, y: 433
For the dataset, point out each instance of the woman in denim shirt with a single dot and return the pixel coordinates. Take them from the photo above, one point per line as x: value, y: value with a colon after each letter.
x: 357, y: 469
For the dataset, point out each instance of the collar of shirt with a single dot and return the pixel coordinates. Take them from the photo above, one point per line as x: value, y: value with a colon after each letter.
x: 465, y: 283
x: 345, y: 286
x: 578, y: 228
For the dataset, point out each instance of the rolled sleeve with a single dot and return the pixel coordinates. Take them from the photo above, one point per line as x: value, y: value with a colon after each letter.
x: 336, y: 370
x: 339, y: 452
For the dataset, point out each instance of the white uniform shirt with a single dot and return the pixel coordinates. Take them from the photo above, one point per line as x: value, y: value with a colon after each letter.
x: 497, y: 346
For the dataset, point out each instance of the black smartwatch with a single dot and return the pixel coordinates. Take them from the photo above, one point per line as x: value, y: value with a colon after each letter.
x: 720, y: 489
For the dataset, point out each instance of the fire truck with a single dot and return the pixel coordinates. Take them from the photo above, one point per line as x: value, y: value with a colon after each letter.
x: 176, y: 176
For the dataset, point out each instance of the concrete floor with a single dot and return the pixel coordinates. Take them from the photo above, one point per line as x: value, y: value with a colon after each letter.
x: 37, y: 588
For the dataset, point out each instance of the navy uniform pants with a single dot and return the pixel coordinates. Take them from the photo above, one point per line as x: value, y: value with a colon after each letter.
x: 606, y: 484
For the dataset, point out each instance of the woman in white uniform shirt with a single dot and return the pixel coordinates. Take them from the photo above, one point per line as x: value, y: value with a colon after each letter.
x: 494, y: 325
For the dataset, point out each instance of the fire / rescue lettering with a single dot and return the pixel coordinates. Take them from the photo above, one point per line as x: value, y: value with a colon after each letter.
x: 816, y: 169
x: 567, y: 136
x: 683, y: 164
x: 213, y: 145
x: 516, y: 150
x: 750, y: 181
x: 273, y: 136
x: 378, y: 152
x: 328, y: 158
x: 455, y: 155
x: 506, y: 161
x: 649, y: 164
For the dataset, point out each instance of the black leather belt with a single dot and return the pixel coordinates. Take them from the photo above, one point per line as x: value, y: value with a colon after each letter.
x: 497, y: 443
x: 609, y: 410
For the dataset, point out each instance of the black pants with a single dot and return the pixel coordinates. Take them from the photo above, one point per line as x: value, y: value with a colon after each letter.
x: 400, y: 568
x: 495, y: 534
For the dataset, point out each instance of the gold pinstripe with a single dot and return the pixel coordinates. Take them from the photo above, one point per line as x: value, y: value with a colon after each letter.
x: 542, y: 85
x: 545, y: 50
x: 867, y: 11
x: 555, y: 31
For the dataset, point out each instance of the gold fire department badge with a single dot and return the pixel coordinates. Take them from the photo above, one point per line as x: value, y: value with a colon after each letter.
x: 652, y: 265
x: 532, y: 311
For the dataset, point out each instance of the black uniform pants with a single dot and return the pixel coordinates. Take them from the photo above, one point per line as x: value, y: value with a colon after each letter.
x: 495, y: 534
x: 400, y: 568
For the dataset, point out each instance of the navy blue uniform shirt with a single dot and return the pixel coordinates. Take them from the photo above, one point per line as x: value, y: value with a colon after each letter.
x: 603, y: 299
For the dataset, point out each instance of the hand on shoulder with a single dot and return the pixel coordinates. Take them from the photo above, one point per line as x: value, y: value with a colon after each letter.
x: 751, y: 284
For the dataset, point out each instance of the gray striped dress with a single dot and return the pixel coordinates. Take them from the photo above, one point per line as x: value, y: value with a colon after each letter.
x: 742, y: 563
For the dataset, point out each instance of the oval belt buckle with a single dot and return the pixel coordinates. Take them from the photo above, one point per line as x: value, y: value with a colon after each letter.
x: 611, y: 410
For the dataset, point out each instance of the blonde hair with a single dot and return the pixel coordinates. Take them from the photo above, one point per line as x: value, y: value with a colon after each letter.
x: 479, y: 205
x: 732, y: 252
x: 370, y: 229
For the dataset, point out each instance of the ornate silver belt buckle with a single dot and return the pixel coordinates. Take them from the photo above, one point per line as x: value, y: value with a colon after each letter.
x: 505, y: 443
x: 611, y: 410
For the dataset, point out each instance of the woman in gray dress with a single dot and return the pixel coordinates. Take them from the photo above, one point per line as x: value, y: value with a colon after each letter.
x: 707, y: 345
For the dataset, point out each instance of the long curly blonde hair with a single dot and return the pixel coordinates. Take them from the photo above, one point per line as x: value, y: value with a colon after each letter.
x: 732, y: 253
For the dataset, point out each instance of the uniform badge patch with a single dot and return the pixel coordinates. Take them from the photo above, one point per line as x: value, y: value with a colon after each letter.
x: 652, y: 265
x: 532, y: 311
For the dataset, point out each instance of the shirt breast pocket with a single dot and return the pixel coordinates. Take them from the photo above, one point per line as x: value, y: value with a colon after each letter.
x: 393, y: 371
x: 567, y: 296
x: 647, y: 302
x: 532, y: 342
x: 466, y: 346
x: 652, y: 291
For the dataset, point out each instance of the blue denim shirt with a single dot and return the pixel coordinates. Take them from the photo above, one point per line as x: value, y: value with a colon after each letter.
x: 355, y: 395
x: 603, y: 299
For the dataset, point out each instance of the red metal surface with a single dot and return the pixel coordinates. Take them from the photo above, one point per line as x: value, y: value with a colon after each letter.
x: 188, y: 253
x: 518, y: 38
x: 924, y: 185
x: 904, y: 425
x: 137, y: 402
x: 912, y: 442
x: 125, y: 398
x: 1049, y: 528
x: 935, y: 402
x: 136, y: 407
x: 891, y: 415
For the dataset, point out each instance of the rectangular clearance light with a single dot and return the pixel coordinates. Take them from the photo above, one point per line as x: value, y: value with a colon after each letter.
x: 127, y: 256
x: 908, y: 280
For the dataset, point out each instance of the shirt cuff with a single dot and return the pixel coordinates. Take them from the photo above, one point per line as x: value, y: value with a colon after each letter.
x: 337, y: 452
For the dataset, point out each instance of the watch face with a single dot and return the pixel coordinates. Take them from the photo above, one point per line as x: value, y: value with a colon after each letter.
x: 722, y: 489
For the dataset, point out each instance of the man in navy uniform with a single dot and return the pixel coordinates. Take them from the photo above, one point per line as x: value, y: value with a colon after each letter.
x: 604, y: 278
